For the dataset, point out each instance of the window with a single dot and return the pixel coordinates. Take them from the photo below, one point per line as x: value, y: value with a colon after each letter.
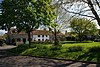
x: 38, y: 39
x: 46, y: 35
x: 18, y: 39
x: 42, y: 35
x: 24, y: 40
x: 13, y: 40
x: 46, y: 40
x: 42, y: 39
x: 38, y: 35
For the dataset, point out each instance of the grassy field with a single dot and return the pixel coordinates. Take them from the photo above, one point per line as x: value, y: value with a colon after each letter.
x: 86, y: 51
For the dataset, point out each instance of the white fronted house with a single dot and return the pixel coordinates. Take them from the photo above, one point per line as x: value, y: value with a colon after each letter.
x: 36, y: 35
x: 40, y: 35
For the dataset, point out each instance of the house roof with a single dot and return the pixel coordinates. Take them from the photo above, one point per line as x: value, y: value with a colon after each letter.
x: 22, y: 32
x: 68, y: 34
x: 44, y: 32
x: 41, y: 32
x: 60, y: 34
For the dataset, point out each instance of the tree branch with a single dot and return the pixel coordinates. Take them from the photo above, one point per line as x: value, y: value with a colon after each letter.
x: 97, y: 3
x: 94, y: 11
x: 77, y: 13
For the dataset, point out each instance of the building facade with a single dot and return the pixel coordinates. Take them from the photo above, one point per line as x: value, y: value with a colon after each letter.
x: 36, y: 35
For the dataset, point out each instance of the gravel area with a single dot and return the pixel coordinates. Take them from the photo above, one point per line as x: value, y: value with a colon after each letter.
x: 26, y: 61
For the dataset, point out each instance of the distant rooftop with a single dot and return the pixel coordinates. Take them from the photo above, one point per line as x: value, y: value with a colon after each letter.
x: 40, y: 32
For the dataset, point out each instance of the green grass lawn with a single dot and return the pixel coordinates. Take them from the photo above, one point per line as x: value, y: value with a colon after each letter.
x: 86, y: 51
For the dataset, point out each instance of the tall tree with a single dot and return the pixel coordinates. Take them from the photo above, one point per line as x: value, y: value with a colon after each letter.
x: 91, y: 4
x: 82, y: 27
x: 30, y: 14
x: 61, y: 18
x: 6, y: 17
x: 54, y: 28
x: 85, y: 8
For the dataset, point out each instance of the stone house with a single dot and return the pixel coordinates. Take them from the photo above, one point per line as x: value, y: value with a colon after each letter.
x: 36, y: 35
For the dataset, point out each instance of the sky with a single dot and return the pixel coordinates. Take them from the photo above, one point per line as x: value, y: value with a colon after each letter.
x: 75, y: 9
x: 0, y: 1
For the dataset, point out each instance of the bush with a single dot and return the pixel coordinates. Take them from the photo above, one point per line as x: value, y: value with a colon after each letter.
x: 94, y: 49
x: 17, y: 50
x: 42, y: 42
x: 75, y: 48
x: 1, y: 42
x: 55, y: 47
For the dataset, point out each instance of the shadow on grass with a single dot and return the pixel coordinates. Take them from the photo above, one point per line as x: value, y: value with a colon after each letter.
x: 89, y: 57
x: 17, y: 50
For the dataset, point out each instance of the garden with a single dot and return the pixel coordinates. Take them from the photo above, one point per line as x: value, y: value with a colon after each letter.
x: 85, y: 51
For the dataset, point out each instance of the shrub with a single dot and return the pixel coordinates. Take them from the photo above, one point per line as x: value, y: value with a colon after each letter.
x: 42, y: 42
x: 55, y: 47
x: 75, y: 48
x: 94, y: 49
x: 17, y: 50
x: 1, y: 42
x: 41, y: 47
x: 4, y: 44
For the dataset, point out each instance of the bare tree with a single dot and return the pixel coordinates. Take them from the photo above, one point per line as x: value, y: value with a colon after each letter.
x: 92, y: 4
x: 83, y: 8
x: 61, y: 20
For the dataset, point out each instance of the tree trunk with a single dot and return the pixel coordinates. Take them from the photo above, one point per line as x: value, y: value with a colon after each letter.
x: 56, y: 41
x: 80, y: 39
x: 29, y: 38
x: 8, y: 36
x: 94, y: 11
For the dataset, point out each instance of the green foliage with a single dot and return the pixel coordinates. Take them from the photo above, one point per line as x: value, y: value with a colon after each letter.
x: 94, y: 49
x: 17, y: 50
x: 55, y: 47
x: 54, y: 28
x: 41, y: 42
x: 1, y: 42
x: 76, y: 51
x: 83, y: 26
x: 26, y: 14
x: 7, y: 15
x: 75, y: 48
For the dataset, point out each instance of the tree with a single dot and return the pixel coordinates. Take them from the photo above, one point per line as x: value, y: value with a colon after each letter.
x: 54, y: 28
x: 77, y: 8
x: 60, y: 22
x: 82, y: 27
x: 91, y: 4
x: 6, y: 16
x: 30, y: 14
x: 82, y: 7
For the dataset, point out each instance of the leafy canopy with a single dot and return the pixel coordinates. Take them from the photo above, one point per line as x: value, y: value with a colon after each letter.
x: 27, y: 14
x: 83, y: 26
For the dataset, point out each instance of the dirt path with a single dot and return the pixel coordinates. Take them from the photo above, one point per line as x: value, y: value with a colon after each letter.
x: 26, y: 61
x: 3, y: 50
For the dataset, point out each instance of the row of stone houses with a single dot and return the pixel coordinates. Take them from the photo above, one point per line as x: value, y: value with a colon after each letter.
x: 36, y: 35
